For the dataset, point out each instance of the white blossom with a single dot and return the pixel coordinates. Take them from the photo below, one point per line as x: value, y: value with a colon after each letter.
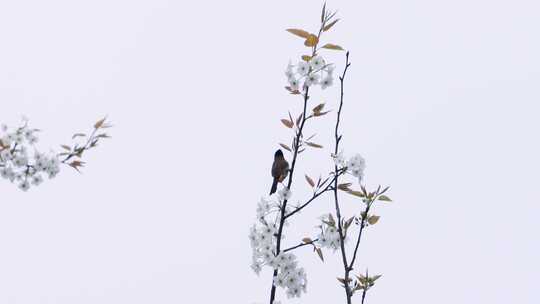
x: 284, y: 194
x: 294, y: 84
x: 317, y: 63
x: 36, y: 180
x: 263, y: 208
x: 339, y: 159
x: 327, y: 82
x: 263, y: 240
x: 356, y: 166
x: 24, y: 186
x: 329, y: 236
x: 312, y: 79
x: 289, y: 71
x: 330, y: 69
x: 302, y: 68
x: 15, y: 164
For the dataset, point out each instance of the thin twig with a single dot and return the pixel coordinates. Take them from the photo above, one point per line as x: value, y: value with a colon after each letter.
x: 362, y: 226
x: 317, y: 194
x: 337, y: 138
x: 300, y: 245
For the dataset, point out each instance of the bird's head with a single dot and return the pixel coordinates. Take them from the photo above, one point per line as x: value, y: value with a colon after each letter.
x: 278, y: 154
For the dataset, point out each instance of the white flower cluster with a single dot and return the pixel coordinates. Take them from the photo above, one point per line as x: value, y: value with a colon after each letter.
x: 284, y: 194
x: 329, y: 238
x: 314, y: 72
x: 272, y: 204
x: 263, y: 238
x: 290, y: 276
x: 16, y: 163
x: 355, y: 165
x: 264, y: 207
x: 329, y: 235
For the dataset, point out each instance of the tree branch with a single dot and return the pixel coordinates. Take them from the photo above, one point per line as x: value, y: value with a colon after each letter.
x: 317, y: 194
x: 362, y: 226
x: 337, y: 138
x: 300, y: 245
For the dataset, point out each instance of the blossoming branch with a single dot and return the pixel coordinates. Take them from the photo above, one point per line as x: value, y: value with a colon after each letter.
x: 23, y: 163
x: 274, y: 212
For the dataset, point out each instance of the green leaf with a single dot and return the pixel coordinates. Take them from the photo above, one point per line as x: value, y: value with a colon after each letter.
x: 384, y: 198
x: 356, y: 193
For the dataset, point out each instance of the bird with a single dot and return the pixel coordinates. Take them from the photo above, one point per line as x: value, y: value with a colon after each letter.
x: 280, y: 169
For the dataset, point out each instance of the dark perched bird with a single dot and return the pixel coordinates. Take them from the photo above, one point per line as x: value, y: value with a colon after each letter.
x: 280, y: 170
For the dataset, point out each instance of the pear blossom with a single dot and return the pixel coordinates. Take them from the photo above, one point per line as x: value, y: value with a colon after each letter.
x: 302, y: 68
x: 312, y: 79
x: 16, y: 164
x: 294, y: 83
x: 356, y: 166
x: 284, y: 194
x: 263, y: 240
x: 317, y: 63
x: 327, y: 82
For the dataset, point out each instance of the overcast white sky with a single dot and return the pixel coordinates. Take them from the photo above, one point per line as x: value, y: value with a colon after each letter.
x: 442, y: 100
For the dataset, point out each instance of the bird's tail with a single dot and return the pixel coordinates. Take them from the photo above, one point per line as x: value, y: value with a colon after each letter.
x: 274, y: 186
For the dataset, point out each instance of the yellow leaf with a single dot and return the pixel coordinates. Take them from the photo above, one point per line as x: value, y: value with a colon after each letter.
x: 287, y: 123
x: 318, y: 108
x: 317, y: 114
x: 319, y: 252
x: 331, y: 46
x: 294, y: 92
x: 311, y: 40
x: 307, y: 240
x: 299, y: 32
x: 372, y: 220
x: 306, y: 58
x: 100, y: 122
x: 310, y: 181
x: 314, y: 145
x: 284, y: 146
